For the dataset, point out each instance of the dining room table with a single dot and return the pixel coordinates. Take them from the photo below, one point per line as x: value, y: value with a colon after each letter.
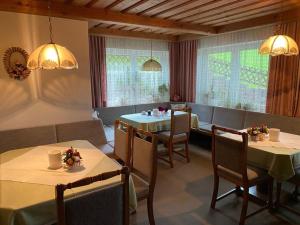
x: 279, y: 158
x: 155, y: 123
x: 27, y: 185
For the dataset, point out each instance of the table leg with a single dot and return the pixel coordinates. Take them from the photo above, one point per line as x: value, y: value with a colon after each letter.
x: 278, y: 193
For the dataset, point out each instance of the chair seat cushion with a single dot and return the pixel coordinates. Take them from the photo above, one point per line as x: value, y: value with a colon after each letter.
x: 254, y: 174
x: 165, y: 136
x: 106, y: 149
x: 206, y: 127
x: 141, y: 187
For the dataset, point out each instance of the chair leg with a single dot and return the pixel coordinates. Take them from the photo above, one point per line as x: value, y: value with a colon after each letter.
x: 170, y: 151
x: 150, y: 210
x: 245, y: 206
x: 187, y: 152
x: 215, y: 192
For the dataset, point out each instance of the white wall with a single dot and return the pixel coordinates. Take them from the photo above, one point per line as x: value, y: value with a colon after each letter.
x: 45, y: 97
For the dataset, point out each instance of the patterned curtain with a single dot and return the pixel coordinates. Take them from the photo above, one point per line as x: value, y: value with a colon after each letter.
x: 98, y: 70
x: 183, y: 61
x: 284, y: 79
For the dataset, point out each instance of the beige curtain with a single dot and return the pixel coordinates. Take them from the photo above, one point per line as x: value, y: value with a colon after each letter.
x: 284, y: 78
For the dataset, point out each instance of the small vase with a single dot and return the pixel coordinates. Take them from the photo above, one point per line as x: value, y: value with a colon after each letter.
x: 254, y: 137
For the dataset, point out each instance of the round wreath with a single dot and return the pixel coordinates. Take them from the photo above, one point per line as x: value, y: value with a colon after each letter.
x: 15, y: 62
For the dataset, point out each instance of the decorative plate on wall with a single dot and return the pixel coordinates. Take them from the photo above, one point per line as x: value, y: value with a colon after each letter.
x: 15, y: 62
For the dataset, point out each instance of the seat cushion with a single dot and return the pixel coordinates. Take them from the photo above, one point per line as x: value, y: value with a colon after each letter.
x: 165, y: 136
x: 231, y: 118
x: 254, y: 174
x: 205, y: 127
x: 91, y: 130
x: 106, y: 149
x: 110, y: 114
x: 204, y: 112
x: 141, y: 187
x: 27, y: 137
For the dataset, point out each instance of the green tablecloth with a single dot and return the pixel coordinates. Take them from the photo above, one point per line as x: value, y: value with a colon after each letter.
x: 34, y: 204
x: 279, y: 158
x: 154, y: 123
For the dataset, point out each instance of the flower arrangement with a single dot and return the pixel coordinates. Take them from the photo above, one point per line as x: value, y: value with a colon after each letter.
x: 258, y: 133
x: 72, y: 157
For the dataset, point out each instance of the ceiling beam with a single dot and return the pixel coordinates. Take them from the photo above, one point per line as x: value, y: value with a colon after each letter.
x: 91, y: 3
x: 68, y: 1
x: 58, y: 9
x: 134, y: 34
x: 276, y: 18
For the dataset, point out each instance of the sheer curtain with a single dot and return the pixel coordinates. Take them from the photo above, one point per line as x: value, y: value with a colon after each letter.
x: 230, y: 71
x: 126, y: 83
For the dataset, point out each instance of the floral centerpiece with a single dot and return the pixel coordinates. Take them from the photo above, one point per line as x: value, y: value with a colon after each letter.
x: 258, y: 133
x: 72, y: 158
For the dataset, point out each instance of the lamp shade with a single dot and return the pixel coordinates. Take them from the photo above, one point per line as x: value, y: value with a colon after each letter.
x: 51, y: 56
x: 279, y: 45
x: 151, y: 65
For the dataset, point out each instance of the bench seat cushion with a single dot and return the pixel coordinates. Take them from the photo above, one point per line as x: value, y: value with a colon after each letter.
x: 27, y: 137
x: 204, y: 112
x: 108, y: 115
x: 230, y: 118
x: 91, y: 130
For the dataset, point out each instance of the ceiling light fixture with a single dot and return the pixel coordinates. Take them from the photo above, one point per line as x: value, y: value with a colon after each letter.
x: 151, y: 64
x: 51, y: 56
x: 279, y: 44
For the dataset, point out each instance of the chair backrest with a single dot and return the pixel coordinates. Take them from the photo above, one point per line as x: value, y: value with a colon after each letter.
x: 27, y: 137
x: 230, y: 153
x: 90, y: 130
x: 144, y: 155
x: 122, y: 147
x: 181, y: 122
x: 103, y: 206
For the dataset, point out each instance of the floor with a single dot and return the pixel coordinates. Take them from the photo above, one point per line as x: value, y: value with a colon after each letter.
x: 183, y: 194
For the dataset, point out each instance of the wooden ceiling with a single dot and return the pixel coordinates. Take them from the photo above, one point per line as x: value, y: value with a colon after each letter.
x: 162, y: 19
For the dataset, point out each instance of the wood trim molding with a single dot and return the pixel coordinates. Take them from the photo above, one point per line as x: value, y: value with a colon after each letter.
x: 131, y: 34
x: 102, y: 15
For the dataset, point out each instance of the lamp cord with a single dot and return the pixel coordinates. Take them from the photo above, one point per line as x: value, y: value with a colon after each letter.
x: 50, y: 21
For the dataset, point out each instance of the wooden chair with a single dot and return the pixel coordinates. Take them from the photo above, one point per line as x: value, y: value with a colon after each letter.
x: 179, y: 134
x: 144, y: 167
x: 102, y: 206
x: 229, y: 159
x: 122, y: 143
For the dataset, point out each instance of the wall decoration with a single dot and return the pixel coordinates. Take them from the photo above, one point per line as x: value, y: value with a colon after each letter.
x: 15, y: 62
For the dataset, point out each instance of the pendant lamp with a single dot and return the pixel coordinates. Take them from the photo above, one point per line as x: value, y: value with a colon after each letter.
x: 51, y: 56
x: 151, y: 64
x: 279, y: 44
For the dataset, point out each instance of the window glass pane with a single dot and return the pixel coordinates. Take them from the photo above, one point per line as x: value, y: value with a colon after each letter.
x: 253, y: 79
x: 127, y: 84
x: 219, y: 71
x: 233, y: 76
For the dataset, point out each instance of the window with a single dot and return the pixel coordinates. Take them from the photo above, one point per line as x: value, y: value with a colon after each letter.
x: 126, y: 83
x: 232, y: 75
